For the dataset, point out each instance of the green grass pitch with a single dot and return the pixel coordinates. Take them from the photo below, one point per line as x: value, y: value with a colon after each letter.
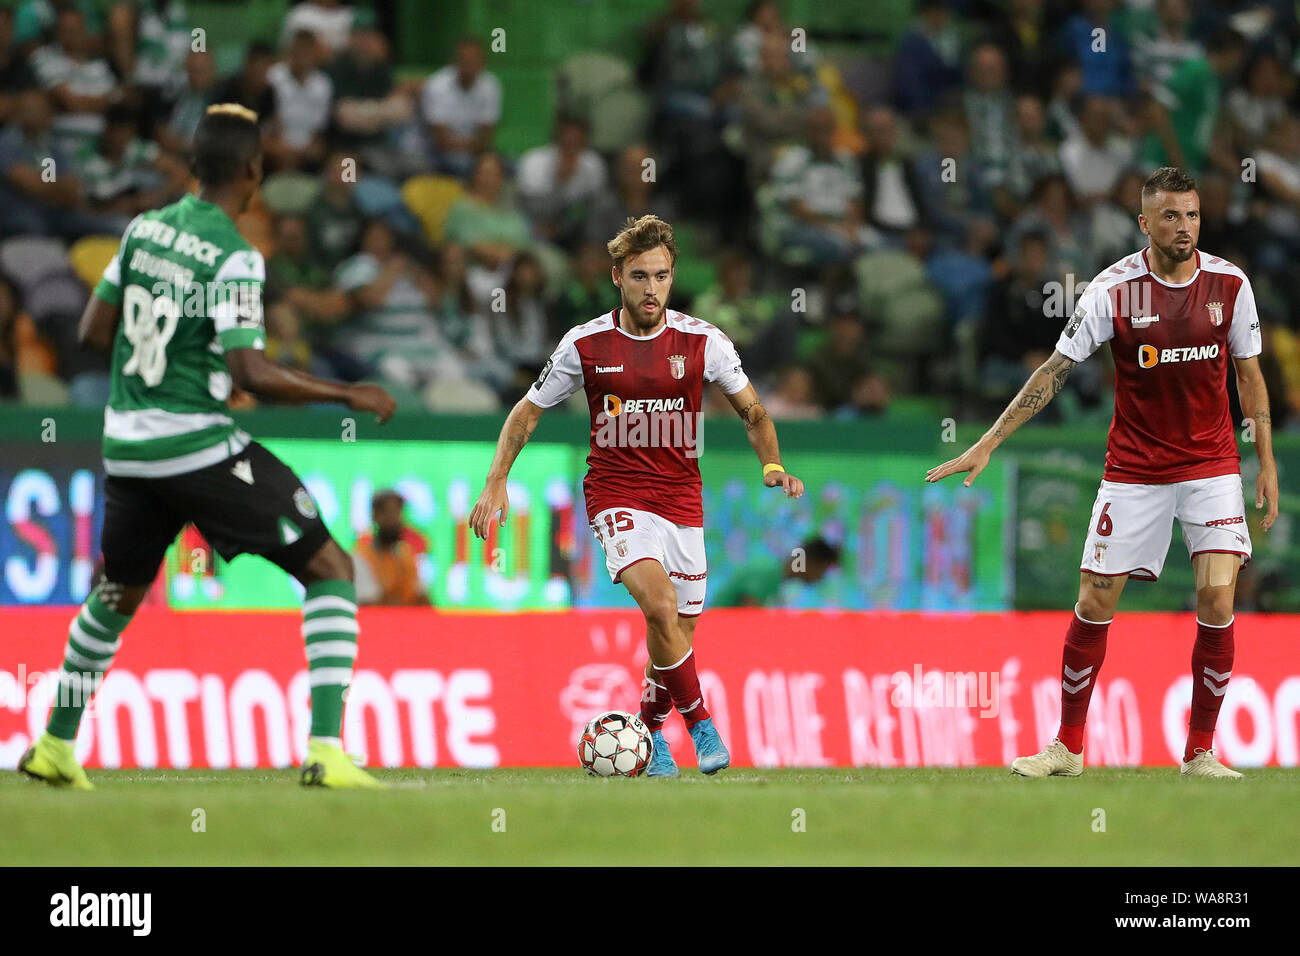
x: 743, y: 816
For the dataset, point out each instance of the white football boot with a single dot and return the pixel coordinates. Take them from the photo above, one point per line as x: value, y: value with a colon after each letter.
x: 1055, y: 760
x: 1206, y: 764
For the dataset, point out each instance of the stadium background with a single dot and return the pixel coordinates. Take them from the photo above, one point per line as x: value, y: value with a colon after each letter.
x: 884, y: 335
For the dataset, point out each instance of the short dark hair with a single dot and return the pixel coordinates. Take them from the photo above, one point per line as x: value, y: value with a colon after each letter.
x: 385, y: 496
x: 226, y: 140
x: 259, y: 50
x: 1224, y: 41
x: 819, y: 549
x: 1169, y: 179
x: 122, y: 114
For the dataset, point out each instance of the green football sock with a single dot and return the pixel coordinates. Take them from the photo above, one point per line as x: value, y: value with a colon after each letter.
x: 93, y: 638
x: 329, y: 628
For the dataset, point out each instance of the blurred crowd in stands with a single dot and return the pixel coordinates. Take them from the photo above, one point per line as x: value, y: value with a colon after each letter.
x: 868, y: 228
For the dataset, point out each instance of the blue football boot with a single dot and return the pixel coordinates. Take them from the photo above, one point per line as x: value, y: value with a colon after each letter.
x: 709, y: 750
x: 661, y: 762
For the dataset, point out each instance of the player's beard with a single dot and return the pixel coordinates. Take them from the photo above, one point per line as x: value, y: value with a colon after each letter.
x: 641, y: 320
x: 1176, y: 253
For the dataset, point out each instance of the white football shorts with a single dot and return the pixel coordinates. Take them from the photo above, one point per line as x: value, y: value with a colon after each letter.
x: 1131, y: 524
x: 629, y: 535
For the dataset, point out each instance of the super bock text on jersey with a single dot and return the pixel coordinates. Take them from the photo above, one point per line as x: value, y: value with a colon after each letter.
x: 189, y: 289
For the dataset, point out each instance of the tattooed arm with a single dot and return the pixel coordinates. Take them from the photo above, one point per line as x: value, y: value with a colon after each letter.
x: 1048, y: 379
x: 514, y: 435
x: 762, y: 436
x: 1254, y: 407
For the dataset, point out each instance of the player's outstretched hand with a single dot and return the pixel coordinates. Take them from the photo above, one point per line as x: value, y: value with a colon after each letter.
x: 372, y: 398
x: 492, y: 500
x: 1266, y: 493
x: 791, y: 485
x: 975, y: 459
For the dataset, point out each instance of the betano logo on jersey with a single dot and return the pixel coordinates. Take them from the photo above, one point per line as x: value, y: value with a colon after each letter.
x: 615, y: 406
x: 648, y: 423
x: 1149, y: 356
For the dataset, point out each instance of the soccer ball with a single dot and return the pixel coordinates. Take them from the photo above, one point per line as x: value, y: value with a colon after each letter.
x: 615, y: 744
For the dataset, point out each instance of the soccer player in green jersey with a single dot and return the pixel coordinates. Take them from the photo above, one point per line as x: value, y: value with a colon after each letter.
x: 179, y: 309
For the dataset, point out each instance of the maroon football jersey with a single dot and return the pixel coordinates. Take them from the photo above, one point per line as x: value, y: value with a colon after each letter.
x: 645, y: 394
x: 1171, y: 345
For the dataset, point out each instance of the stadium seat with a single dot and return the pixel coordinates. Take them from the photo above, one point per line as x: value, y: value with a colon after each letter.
x: 585, y: 77
x: 618, y: 119
x: 41, y: 388
x: 460, y: 396
x: 289, y: 194
x: 692, y: 276
x: 90, y: 256
x: 56, y: 297
x: 90, y: 389
x: 527, y: 110
x: 906, y: 311
x: 430, y: 198
x: 378, y: 196
x: 28, y: 259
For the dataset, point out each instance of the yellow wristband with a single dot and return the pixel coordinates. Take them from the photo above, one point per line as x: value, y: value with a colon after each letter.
x: 770, y: 467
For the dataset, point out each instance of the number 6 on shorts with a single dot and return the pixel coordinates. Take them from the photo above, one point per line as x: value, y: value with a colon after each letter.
x: 1104, y: 525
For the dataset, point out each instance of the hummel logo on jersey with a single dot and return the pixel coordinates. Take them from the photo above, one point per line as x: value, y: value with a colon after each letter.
x: 604, y: 369
x: 243, y: 470
x: 1150, y: 356
x: 1072, y: 675
x: 1141, y: 321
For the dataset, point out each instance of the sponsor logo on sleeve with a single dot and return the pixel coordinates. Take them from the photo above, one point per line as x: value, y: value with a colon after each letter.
x: 1076, y: 320
x: 546, y: 370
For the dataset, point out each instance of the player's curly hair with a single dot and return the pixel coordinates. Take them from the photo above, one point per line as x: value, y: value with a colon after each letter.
x: 642, y: 235
x: 1169, y: 179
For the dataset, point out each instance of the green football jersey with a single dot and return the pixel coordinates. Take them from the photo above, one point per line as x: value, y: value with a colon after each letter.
x: 190, y: 289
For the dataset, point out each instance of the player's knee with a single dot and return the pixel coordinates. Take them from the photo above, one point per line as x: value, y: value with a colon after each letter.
x: 1214, y: 605
x: 122, y: 599
x: 1094, y: 605
x: 340, y: 563
x: 661, y: 613
x: 330, y: 563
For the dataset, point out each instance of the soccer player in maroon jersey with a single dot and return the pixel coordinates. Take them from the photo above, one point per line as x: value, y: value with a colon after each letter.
x: 1172, y: 315
x: 643, y: 367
